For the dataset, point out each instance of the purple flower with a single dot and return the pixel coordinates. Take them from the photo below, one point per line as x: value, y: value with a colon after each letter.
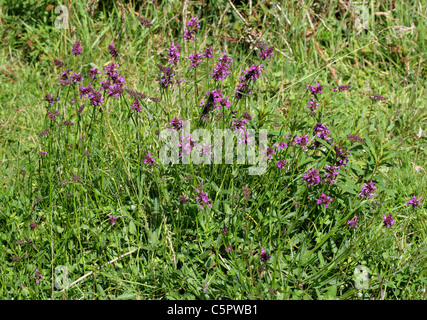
x: 312, y: 177
x: 214, y: 99
x: 84, y: 91
x: 315, y: 89
x: 247, y: 116
x: 81, y: 109
x: 377, y: 97
x: 352, y: 223
x: 77, y: 77
x: 173, y: 53
x: 244, y: 138
x: 77, y: 48
x: 341, y: 156
x: 341, y: 88
x: 45, y: 132
x: 50, y: 98
x: 388, y: 220
x: 354, y: 137
x: 136, y: 106
x: 112, y: 220
x: 59, y: 63
x: 264, y: 255
x: 224, y: 230
x: 93, y: 72
x: 38, y: 276
x: 281, y: 164
x: 195, y: 59
x: 176, y: 124
x: 96, y: 98
x: 221, y: 69
x: 281, y: 145
x: 302, y: 141
x: 192, y: 25
x: 269, y: 151
x: 206, y: 150
x: 202, y: 198
x: 239, y: 125
x: 208, y: 53
x: 112, y: 50
x: 228, y: 248
x: 187, y: 144
x: 43, y: 152
x: 183, y: 198
x: 252, y: 73
x: 324, y: 199
x: 267, y: 53
x: 188, y: 35
x: 331, y: 173
x: 313, y: 105
x: 367, y: 189
x: 148, y: 159
x: 145, y: 22
x: 165, y: 78
x: 414, y: 202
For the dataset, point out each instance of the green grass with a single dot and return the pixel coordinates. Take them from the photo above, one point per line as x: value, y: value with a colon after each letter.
x: 173, y: 250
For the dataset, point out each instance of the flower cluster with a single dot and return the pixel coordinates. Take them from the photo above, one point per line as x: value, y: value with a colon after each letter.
x: 50, y: 98
x: 264, y: 255
x: 195, y: 60
x: 145, y: 22
x: 214, y: 100
x: 312, y: 177
x: 239, y: 125
x: 341, y: 156
x: 173, y: 53
x: 388, y: 220
x: 302, y: 141
x: 203, y: 198
x: 176, y: 124
x: 112, y: 50
x: 165, y: 78
x: 354, y: 137
x: 331, y: 173
x: 192, y: 26
x: 253, y: 73
x: 324, y: 199
x: 341, y: 88
x: 352, y: 223
x: 313, y: 105
x: 367, y: 190
x: 315, y: 90
x: 321, y: 132
x: 38, y: 276
x: 221, y: 69
x: 93, y: 73
x: 148, y: 159
x: 281, y: 164
x: 414, y: 202
x: 267, y: 53
x: 187, y: 144
x: 377, y: 97
x: 77, y: 48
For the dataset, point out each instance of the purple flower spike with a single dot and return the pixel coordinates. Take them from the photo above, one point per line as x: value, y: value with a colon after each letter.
x: 388, y: 220
x: 77, y: 48
x: 315, y: 89
x: 221, y: 70
x: 312, y: 177
x: 38, y: 276
x: 202, y: 198
x: 173, y: 53
x: 195, y: 60
x: 367, y: 189
x: 264, y: 255
x: 112, y: 50
x: 267, y: 53
x: 352, y: 223
x: 325, y: 200
x: 414, y: 202
x: 281, y: 164
x: 331, y: 173
x: 302, y: 141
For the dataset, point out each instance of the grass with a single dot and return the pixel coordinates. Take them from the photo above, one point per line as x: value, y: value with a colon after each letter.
x: 55, y: 208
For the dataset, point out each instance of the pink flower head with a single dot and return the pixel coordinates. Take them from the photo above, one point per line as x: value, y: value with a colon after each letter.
x: 281, y: 164
x: 414, y: 202
x: 388, y: 220
x: 38, y: 276
x: 324, y: 199
x: 112, y: 220
x: 352, y: 223
x: 149, y: 159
